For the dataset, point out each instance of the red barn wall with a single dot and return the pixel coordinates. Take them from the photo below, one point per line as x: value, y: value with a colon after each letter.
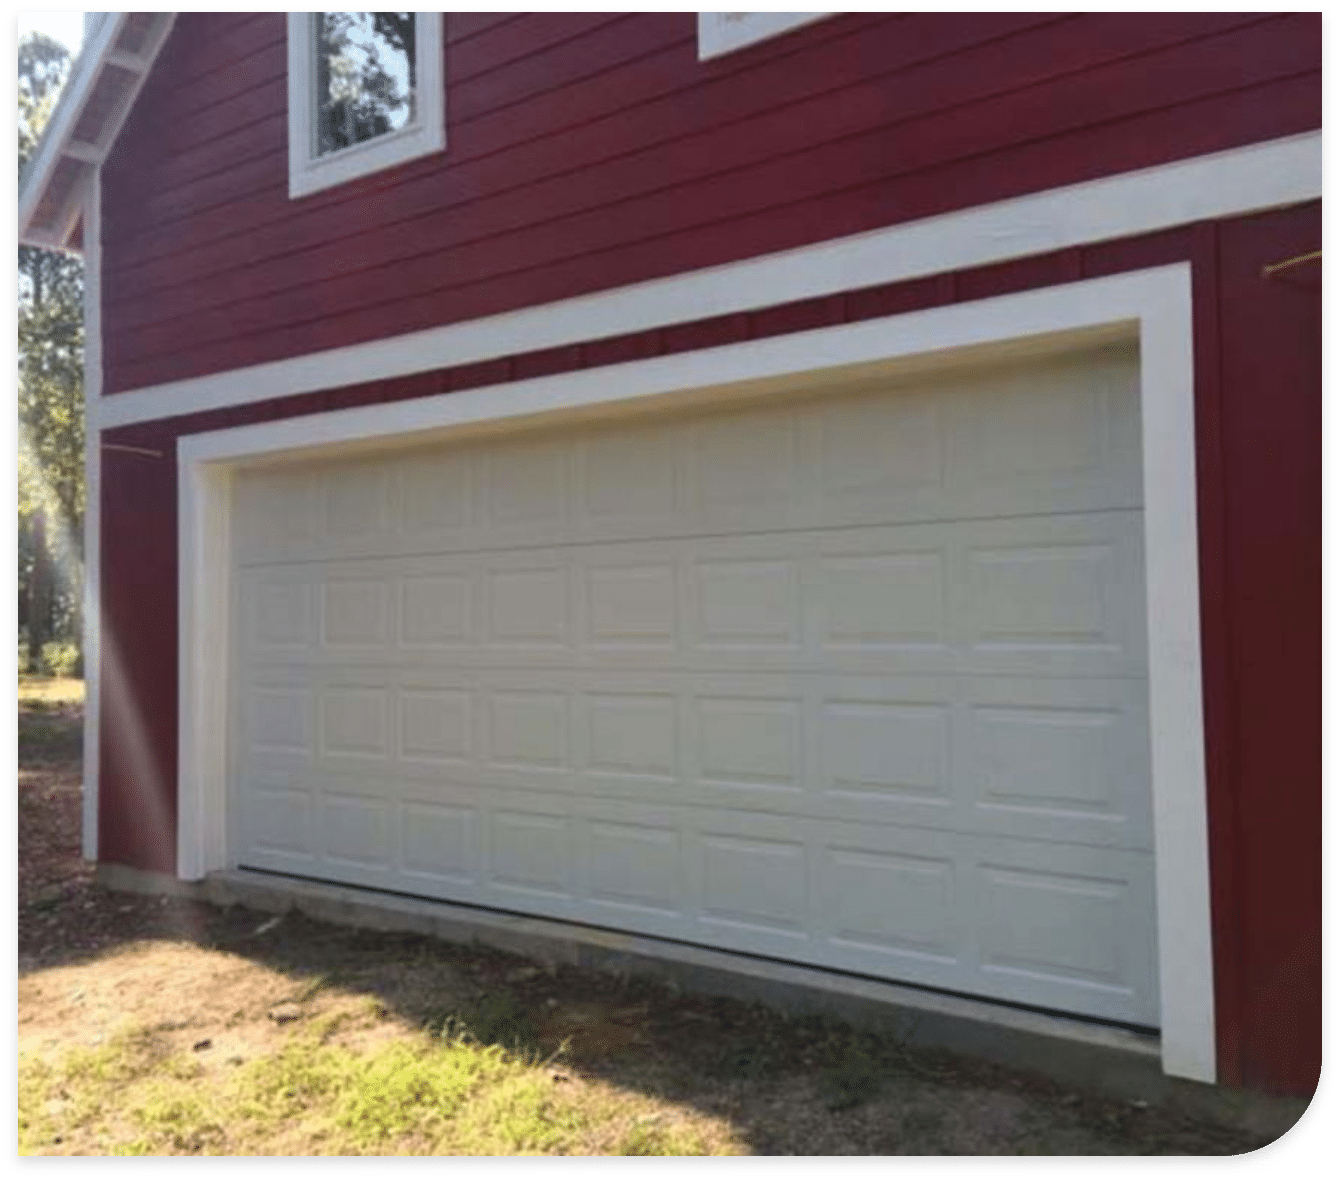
x: 588, y: 151
x: 1258, y: 406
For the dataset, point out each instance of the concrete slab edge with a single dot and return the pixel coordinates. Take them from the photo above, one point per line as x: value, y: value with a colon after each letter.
x: 1113, y: 1061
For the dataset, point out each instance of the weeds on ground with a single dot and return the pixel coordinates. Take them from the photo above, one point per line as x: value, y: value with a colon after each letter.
x: 443, y: 1093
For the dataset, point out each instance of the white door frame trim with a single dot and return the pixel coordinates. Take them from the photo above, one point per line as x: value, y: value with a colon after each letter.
x: 1278, y: 172
x: 1152, y: 305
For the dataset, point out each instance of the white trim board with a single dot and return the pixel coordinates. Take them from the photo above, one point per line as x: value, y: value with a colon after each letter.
x: 720, y: 33
x: 92, y: 510
x: 1152, y: 305
x: 1280, y: 172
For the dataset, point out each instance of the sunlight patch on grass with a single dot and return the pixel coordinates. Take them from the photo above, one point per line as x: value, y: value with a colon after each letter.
x: 48, y: 691
x: 420, y: 1094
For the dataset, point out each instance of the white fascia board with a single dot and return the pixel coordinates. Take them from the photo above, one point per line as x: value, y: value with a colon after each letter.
x: 56, y: 139
x: 61, y: 125
x: 1154, y: 304
x: 1280, y: 172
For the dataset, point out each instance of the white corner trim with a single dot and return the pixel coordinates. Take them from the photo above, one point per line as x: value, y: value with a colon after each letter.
x: 92, y: 512
x: 426, y: 133
x: 1281, y: 172
x: 1176, y: 713
x: 720, y: 33
x: 1154, y: 303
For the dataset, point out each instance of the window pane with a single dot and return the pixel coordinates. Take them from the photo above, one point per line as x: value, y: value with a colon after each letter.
x: 364, y: 76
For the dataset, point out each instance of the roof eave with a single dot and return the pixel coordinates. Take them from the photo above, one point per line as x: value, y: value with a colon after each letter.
x: 84, y: 126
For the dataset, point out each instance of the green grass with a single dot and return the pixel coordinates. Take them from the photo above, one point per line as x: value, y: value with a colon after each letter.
x: 425, y: 1094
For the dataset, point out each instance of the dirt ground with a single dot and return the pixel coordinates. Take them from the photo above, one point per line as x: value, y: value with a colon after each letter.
x: 231, y: 985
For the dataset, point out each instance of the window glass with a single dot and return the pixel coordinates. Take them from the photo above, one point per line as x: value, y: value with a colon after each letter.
x: 365, y: 84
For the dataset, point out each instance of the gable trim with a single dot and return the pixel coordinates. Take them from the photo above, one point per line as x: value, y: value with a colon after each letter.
x: 58, y: 141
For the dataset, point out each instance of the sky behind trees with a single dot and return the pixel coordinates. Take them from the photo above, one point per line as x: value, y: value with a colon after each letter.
x: 59, y: 24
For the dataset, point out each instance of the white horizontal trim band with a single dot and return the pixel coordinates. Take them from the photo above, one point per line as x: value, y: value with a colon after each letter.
x: 1280, y: 172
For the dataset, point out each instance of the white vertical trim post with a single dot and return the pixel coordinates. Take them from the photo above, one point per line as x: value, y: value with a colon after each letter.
x: 92, y: 510
x: 1176, y: 713
x: 204, y: 558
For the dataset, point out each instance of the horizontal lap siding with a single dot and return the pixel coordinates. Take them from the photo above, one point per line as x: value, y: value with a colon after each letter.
x: 590, y: 151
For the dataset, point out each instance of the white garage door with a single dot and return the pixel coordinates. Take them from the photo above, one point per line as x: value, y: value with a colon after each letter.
x: 855, y: 679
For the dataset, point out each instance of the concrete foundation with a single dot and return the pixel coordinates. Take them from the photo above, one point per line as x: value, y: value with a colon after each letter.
x: 1117, y: 1062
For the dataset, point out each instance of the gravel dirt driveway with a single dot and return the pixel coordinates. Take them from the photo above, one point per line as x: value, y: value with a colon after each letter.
x: 228, y: 986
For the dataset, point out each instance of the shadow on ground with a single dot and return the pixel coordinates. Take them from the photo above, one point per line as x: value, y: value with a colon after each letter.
x: 786, y: 1085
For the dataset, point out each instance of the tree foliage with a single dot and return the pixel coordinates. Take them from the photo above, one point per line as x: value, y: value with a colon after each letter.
x: 365, y: 76
x: 50, y: 387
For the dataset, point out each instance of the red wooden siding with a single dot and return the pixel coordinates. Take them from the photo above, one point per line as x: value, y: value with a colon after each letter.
x: 1258, y: 405
x: 137, y: 791
x: 1267, y: 695
x: 591, y: 150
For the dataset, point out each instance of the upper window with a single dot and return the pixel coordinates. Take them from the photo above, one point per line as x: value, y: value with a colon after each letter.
x: 725, y: 32
x: 365, y: 92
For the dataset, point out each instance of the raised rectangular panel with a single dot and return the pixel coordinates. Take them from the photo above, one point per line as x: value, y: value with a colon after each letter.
x: 529, y: 729
x: 528, y: 606
x: 532, y: 852
x: 1049, y: 760
x: 436, y: 491
x: 1052, y: 924
x: 873, y: 747
x: 353, y: 612
x: 886, y: 600
x: 276, y: 512
x: 633, y: 734
x: 1048, y: 595
x: 746, y: 458
x: 353, y: 721
x: 436, y: 724
x: 887, y: 440
x: 884, y: 901
x: 278, y: 821
x: 746, y: 603
x: 750, y: 742
x: 754, y: 883
x: 527, y: 481
x: 631, y: 605
x: 635, y: 864
x: 629, y: 473
x: 356, y: 499
x: 1028, y: 422
x: 355, y: 830
x: 281, y: 614
x: 279, y: 720
x: 435, y: 609
x: 440, y: 840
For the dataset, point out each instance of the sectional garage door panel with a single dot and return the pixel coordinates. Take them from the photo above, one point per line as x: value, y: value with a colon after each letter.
x: 855, y: 680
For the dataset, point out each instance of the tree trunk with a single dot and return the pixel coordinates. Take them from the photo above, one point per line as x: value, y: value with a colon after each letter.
x: 39, y: 593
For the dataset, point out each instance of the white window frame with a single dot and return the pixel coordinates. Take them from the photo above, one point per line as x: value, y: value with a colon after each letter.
x: 720, y: 33
x: 426, y: 133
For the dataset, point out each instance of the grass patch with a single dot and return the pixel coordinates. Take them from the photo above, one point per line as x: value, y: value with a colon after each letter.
x: 853, y: 1078
x: 418, y: 1094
